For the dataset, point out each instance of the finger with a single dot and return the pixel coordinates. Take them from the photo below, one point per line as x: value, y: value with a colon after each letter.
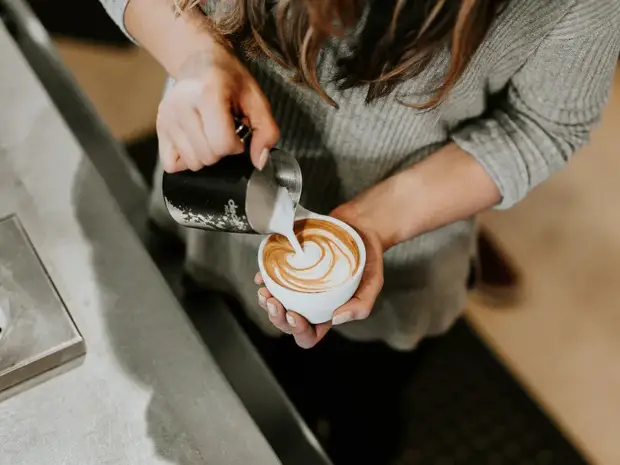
x: 275, y: 310
x: 265, y: 132
x: 219, y: 127
x: 306, y: 335
x: 258, y: 279
x: 361, y: 304
x: 322, y: 330
x: 191, y: 124
x: 263, y: 294
x: 184, y: 148
x: 170, y: 159
x: 277, y: 315
x: 167, y: 154
x: 180, y: 164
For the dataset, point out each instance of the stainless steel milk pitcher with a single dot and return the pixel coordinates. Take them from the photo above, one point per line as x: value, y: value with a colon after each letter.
x: 232, y: 195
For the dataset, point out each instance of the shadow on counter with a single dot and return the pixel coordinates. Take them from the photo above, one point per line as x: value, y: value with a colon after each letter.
x: 140, y: 354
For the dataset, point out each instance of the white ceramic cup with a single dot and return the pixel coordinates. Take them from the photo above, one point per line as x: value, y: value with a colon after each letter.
x: 316, y: 307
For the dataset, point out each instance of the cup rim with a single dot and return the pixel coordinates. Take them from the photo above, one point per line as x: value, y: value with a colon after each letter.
x: 311, y: 215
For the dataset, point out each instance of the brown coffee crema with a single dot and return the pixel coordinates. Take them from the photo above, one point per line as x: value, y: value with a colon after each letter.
x: 332, y: 241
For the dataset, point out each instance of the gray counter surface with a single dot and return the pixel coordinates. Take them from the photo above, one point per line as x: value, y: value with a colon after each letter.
x: 148, y: 391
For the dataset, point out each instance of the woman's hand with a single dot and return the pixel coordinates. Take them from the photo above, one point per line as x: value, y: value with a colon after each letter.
x: 360, y: 305
x: 195, y: 122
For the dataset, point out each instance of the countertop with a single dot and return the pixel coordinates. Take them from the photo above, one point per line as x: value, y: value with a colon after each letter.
x: 148, y: 391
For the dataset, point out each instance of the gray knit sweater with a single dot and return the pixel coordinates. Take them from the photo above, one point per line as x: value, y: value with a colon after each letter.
x: 547, y: 66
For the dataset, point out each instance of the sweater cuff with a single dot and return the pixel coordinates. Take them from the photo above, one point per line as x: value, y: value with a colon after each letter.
x: 116, y: 11
x: 489, y: 145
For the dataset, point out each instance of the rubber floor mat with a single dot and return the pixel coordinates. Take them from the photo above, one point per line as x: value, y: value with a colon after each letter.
x: 451, y: 402
x: 465, y: 408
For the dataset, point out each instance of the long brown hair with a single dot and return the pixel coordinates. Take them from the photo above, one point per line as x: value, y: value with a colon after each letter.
x: 397, y: 41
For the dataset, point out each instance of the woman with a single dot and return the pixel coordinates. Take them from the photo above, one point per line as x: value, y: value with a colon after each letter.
x: 408, y: 118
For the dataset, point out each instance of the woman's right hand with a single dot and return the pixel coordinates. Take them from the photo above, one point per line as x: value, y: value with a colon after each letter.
x: 195, y: 122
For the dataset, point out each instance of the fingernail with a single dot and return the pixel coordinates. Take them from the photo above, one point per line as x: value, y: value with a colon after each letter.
x: 261, y: 299
x: 291, y: 320
x: 256, y: 280
x: 262, y: 161
x: 271, y: 308
x: 342, y: 318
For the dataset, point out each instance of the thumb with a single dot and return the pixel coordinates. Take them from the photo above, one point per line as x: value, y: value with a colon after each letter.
x: 265, y: 132
x: 361, y: 304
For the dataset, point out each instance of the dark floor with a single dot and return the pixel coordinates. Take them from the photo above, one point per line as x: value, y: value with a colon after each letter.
x: 449, y: 402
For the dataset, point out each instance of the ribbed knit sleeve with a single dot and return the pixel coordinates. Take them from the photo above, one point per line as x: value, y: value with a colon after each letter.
x: 116, y: 11
x: 552, y: 102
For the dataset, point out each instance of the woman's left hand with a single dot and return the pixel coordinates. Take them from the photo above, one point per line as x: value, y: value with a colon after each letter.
x: 358, y: 308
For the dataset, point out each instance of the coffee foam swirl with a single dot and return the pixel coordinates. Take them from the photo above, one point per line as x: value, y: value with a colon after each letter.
x: 331, y: 257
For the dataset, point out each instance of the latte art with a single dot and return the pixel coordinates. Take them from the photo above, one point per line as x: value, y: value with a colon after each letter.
x: 330, y: 257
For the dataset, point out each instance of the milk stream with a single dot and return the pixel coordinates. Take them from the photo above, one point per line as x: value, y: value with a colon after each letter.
x: 311, y: 266
x: 283, y: 219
